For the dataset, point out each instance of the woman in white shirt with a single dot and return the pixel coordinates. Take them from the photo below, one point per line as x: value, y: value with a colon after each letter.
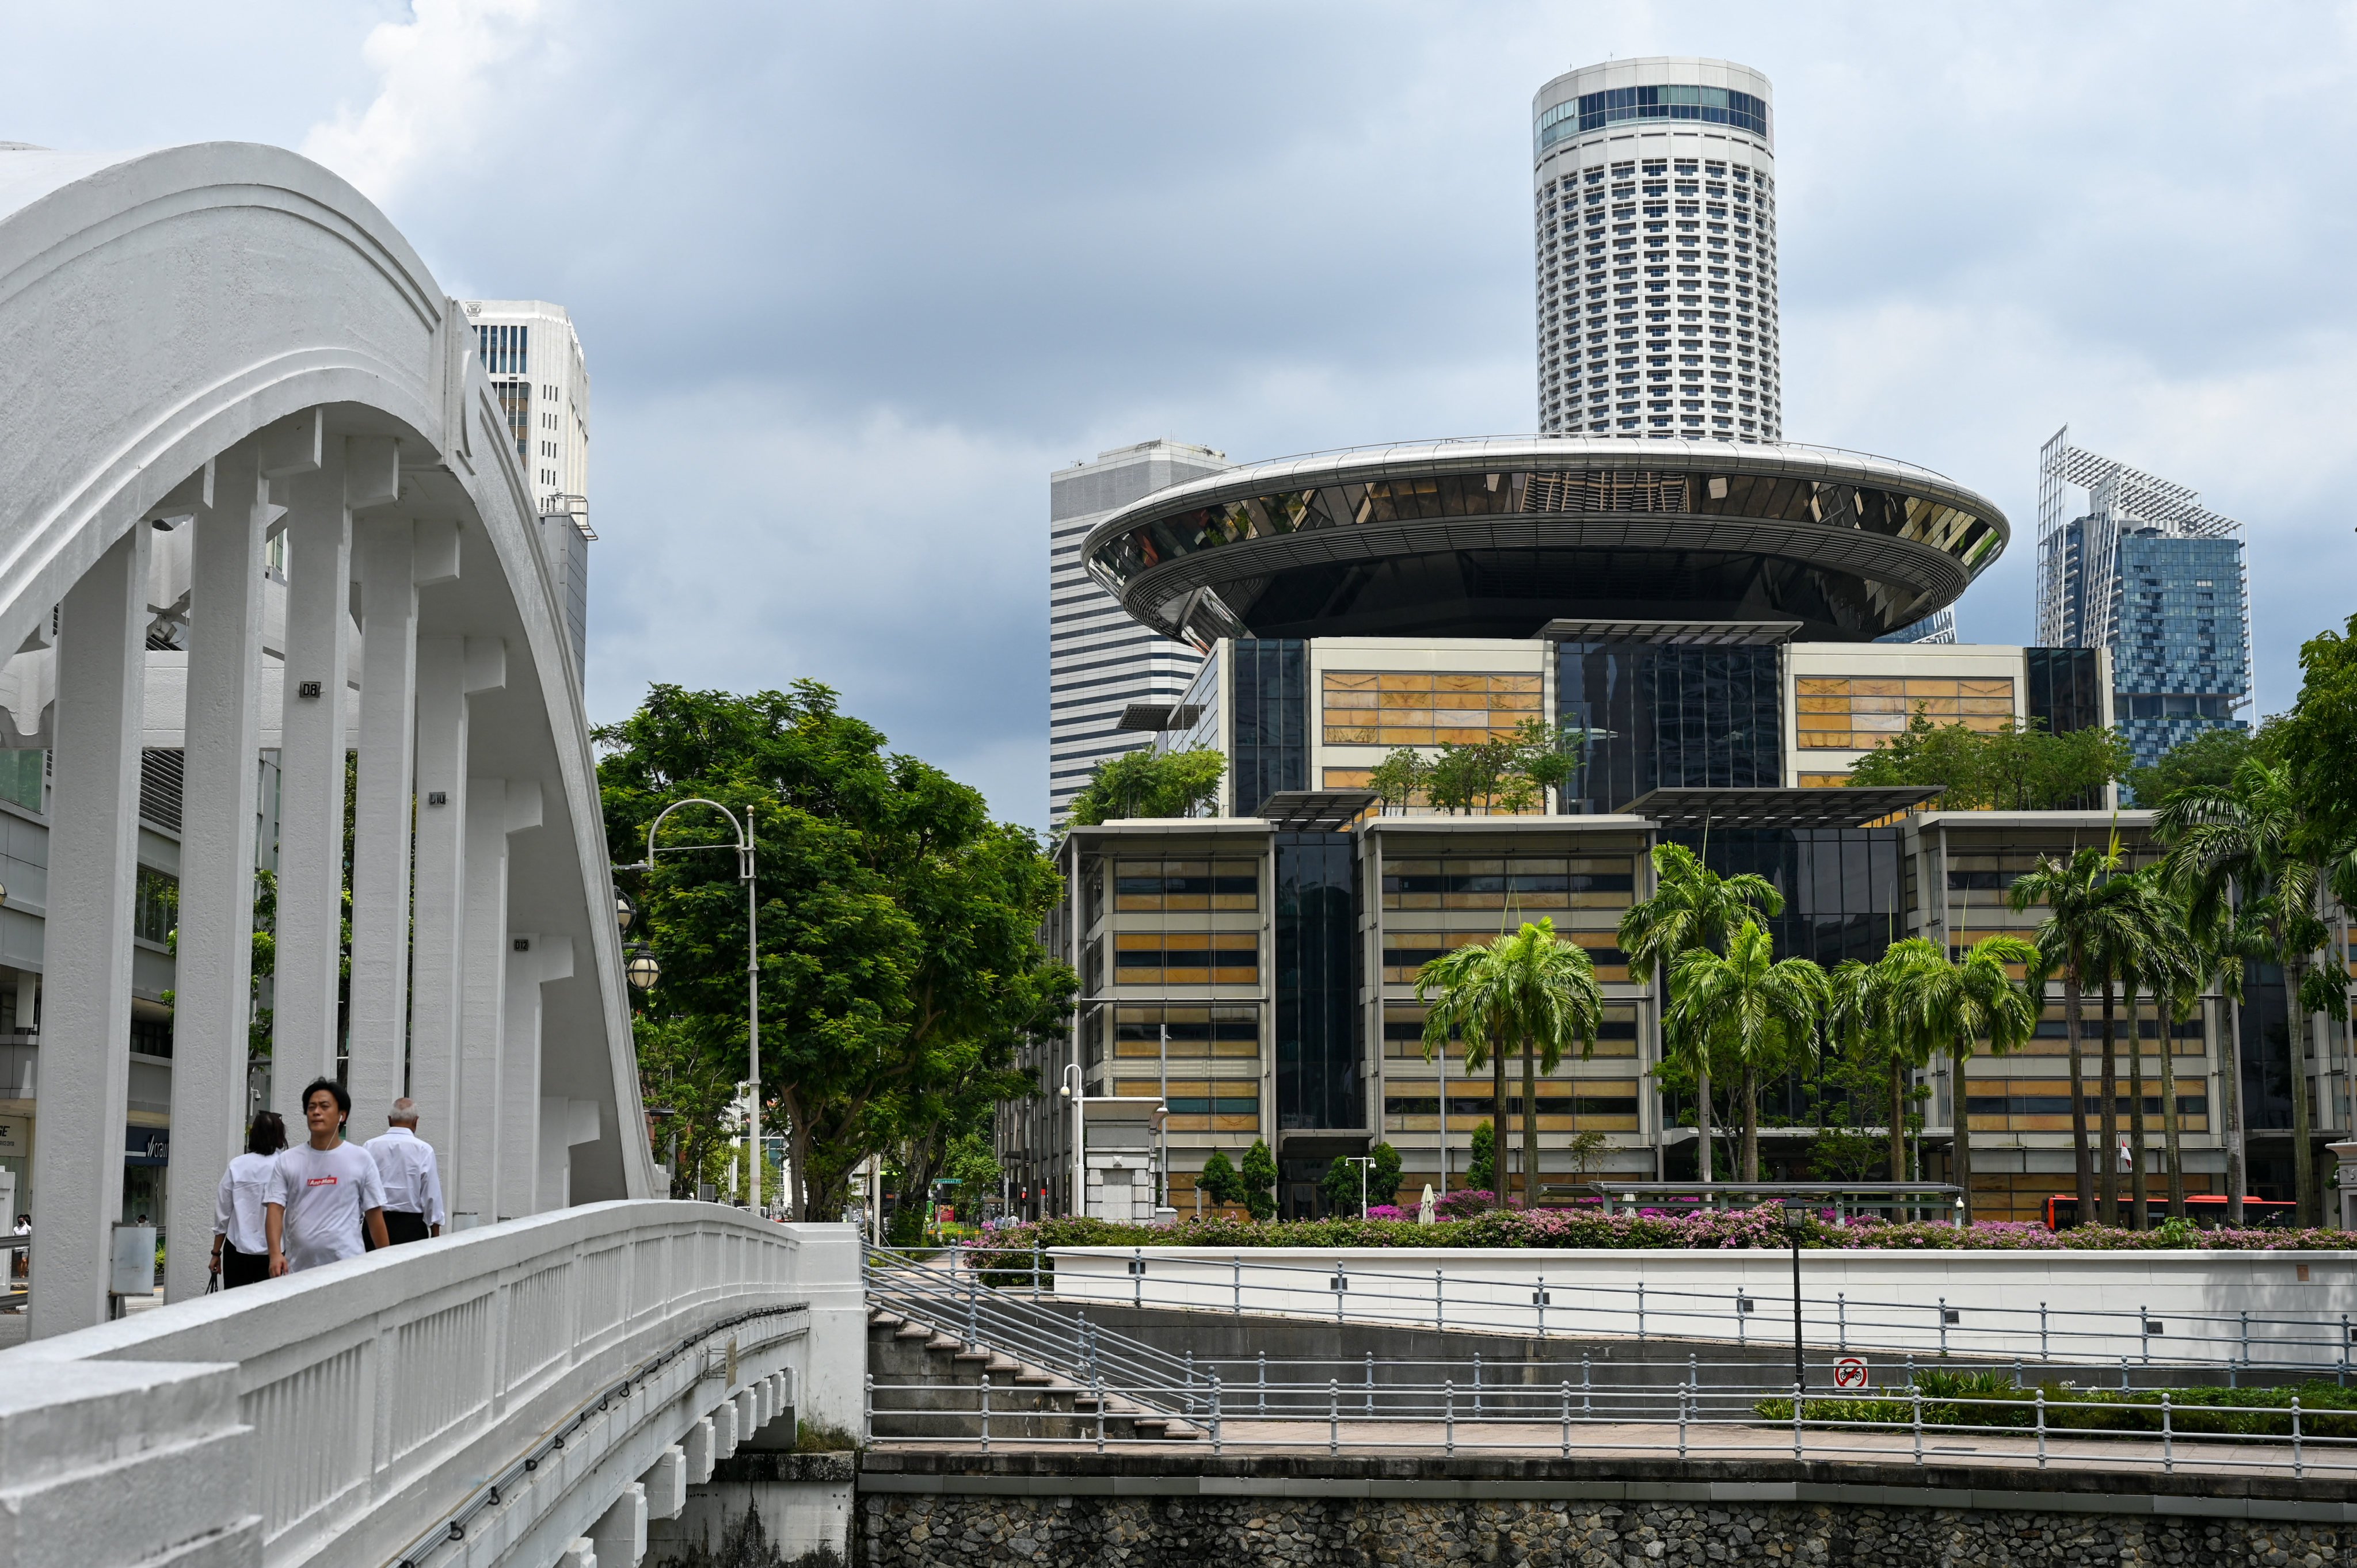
x: 241, y: 1245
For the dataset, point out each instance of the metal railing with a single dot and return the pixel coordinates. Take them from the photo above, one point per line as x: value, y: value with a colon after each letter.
x: 1499, y: 1300
x: 2045, y: 1427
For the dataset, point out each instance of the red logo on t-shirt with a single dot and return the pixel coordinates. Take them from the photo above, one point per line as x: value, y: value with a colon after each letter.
x: 322, y: 1181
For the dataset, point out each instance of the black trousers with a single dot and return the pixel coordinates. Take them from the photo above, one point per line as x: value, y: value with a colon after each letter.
x: 242, y: 1268
x: 404, y: 1225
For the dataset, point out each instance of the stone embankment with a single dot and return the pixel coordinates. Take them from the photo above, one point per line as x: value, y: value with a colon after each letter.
x: 1079, y: 1511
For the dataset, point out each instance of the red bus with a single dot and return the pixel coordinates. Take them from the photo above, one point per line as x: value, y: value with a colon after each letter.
x: 2206, y: 1209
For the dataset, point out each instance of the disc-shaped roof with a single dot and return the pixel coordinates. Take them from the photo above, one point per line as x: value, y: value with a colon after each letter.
x: 1498, y: 536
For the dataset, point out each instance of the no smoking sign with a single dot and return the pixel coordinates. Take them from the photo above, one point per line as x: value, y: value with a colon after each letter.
x: 1850, y: 1372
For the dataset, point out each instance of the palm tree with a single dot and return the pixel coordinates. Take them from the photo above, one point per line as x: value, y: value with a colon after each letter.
x: 2249, y: 844
x: 1961, y: 1003
x: 1753, y: 1007
x: 1865, y: 1015
x: 1692, y: 909
x: 2173, y: 973
x: 2076, y: 892
x: 1531, y: 988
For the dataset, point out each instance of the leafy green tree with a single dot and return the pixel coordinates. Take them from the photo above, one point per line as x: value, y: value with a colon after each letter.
x: 1383, y: 1176
x: 899, y: 966
x: 1149, y: 784
x: 1402, y: 778
x: 2011, y: 768
x: 2262, y: 843
x: 1219, y: 1181
x: 1481, y: 1158
x: 2210, y: 757
x: 1529, y: 988
x: 1340, y: 1185
x: 1259, y: 1177
x: 2318, y: 739
x: 1965, y: 1004
x: 972, y: 1164
x: 2086, y: 900
x: 1480, y: 777
x: 1691, y: 908
x: 1754, y: 1007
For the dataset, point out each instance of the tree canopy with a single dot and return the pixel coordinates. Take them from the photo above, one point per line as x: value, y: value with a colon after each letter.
x: 2013, y: 768
x: 899, y: 966
x: 1149, y: 784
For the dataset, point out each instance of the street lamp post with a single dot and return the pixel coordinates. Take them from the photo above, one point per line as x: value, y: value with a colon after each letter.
x: 1796, y: 1225
x: 1072, y: 1090
x: 1365, y: 1164
x: 743, y: 846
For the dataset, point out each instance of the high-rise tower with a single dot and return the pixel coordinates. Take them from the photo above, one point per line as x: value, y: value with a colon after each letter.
x: 1100, y: 661
x: 2152, y: 573
x: 1655, y: 235
x: 533, y: 357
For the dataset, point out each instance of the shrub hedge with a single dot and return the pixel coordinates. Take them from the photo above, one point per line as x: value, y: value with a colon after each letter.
x: 1971, y: 1399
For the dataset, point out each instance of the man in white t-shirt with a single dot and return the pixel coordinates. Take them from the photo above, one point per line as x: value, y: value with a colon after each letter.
x: 324, y: 1194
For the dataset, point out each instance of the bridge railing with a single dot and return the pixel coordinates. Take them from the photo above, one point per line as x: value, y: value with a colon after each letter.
x: 377, y: 1409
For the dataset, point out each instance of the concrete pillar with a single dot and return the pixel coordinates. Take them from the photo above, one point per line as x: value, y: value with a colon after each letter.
x: 377, y: 1032
x: 726, y: 1428
x: 496, y: 808
x: 355, y: 471
x: 533, y: 960
x: 449, y: 669
x: 93, y: 872
x: 564, y: 1123
x: 620, y: 1537
x: 666, y: 1484
x: 579, y: 1553
x: 213, y: 1000
x: 702, y: 1446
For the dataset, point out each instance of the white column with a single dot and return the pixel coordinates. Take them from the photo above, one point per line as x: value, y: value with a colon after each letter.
x: 533, y: 960
x: 377, y: 1030
x: 93, y: 872
x: 355, y: 471
x: 213, y: 1001
x: 448, y: 670
x: 496, y: 808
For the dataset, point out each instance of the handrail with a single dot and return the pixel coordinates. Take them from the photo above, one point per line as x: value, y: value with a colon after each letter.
x: 1519, y: 1297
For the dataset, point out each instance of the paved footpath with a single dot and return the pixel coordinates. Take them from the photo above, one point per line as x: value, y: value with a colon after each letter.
x: 2319, y: 1459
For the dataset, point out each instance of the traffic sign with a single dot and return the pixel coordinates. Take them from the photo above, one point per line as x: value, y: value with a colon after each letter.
x: 1850, y: 1372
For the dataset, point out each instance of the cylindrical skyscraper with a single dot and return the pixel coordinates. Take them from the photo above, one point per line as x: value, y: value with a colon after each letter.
x: 1656, y: 229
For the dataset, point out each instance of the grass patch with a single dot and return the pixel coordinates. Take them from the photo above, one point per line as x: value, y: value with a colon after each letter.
x: 1989, y: 1400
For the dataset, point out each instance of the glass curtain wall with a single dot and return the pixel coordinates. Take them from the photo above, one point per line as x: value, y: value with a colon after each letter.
x: 1269, y: 746
x: 1661, y: 716
x: 1318, y: 1079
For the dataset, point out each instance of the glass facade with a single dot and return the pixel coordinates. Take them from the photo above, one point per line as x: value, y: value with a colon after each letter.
x: 1318, y: 1079
x: 1366, y: 707
x: 1710, y: 105
x: 1268, y: 749
x: 2179, y: 664
x: 2065, y: 688
x: 1859, y: 713
x: 504, y: 351
x: 1665, y: 716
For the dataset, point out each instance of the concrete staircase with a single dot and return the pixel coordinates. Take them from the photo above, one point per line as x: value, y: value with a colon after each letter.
x: 930, y: 1385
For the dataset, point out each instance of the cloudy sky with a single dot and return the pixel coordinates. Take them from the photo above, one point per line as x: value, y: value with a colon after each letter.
x: 853, y: 279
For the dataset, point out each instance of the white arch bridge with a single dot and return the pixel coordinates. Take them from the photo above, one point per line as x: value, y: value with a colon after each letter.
x: 257, y: 496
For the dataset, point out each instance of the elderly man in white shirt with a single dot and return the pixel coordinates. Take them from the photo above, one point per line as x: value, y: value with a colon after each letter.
x: 412, y: 1185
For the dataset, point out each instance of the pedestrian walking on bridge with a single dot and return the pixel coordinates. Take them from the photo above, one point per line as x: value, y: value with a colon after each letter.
x: 324, y: 1195
x: 241, y: 1234
x: 412, y: 1183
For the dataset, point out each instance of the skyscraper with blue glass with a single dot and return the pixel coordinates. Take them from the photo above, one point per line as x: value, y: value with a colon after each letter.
x: 2149, y: 572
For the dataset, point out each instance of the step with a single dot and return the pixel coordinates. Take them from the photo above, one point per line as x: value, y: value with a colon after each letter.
x: 912, y: 1331
x: 944, y: 1342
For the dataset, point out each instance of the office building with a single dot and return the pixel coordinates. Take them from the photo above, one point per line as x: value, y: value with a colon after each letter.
x: 2149, y: 572
x: 532, y: 354
x: 1654, y: 234
x: 1710, y: 622
x: 1102, y: 663
x: 1940, y: 626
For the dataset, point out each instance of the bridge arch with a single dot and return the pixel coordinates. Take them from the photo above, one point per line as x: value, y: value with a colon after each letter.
x: 257, y: 496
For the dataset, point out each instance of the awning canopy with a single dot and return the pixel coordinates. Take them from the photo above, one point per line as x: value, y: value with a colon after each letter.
x: 1316, y: 810
x: 1852, y: 807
